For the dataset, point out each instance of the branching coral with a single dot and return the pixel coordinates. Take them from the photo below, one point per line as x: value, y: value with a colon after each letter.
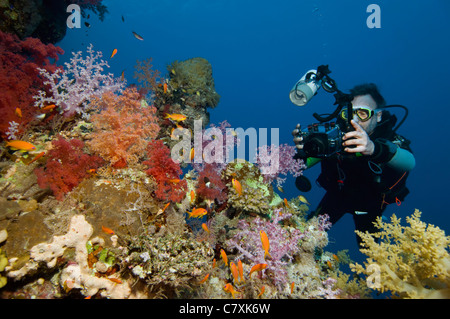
x: 123, y: 127
x: 66, y: 166
x: 72, y: 89
x: 165, y: 172
x: 410, y: 261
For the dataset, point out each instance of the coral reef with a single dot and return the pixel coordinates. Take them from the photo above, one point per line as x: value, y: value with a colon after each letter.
x: 66, y: 166
x: 123, y: 127
x: 82, y: 79
x: 194, y: 78
x: 257, y: 196
x: 410, y: 261
x: 20, y: 79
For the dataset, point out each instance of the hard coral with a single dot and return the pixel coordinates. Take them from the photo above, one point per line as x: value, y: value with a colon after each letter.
x: 165, y: 172
x: 123, y: 127
x: 19, y: 77
x: 66, y: 166
x: 410, y: 261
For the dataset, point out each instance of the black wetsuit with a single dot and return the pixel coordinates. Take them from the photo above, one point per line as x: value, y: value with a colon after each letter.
x: 363, y: 185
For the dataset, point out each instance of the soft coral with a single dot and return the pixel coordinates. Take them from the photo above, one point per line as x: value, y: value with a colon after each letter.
x: 165, y: 172
x: 66, y: 166
x: 19, y: 77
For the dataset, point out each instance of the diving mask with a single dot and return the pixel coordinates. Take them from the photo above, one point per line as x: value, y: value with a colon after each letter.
x: 364, y: 113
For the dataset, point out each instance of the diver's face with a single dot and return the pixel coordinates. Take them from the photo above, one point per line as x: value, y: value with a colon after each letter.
x: 366, y: 101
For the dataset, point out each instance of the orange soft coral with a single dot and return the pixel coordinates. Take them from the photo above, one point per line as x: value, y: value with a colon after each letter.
x: 123, y: 127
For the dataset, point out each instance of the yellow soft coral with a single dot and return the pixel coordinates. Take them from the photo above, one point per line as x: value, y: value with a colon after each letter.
x: 410, y: 261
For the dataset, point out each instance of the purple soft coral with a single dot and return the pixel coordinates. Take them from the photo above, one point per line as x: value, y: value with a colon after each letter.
x: 72, y: 89
x: 278, y: 160
x: 283, y: 245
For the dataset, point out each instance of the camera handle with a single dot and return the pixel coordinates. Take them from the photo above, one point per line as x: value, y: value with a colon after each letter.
x: 342, y: 100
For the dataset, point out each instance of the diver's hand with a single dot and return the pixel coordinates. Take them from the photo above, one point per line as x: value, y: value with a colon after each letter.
x: 359, y: 138
x: 298, y: 140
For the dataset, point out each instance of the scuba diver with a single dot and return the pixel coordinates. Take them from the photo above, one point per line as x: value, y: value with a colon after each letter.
x: 369, y: 168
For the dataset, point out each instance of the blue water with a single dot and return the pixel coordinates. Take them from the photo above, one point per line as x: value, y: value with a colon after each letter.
x: 259, y: 49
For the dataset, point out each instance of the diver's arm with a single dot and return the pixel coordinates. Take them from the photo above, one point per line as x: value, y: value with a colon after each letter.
x: 391, y: 154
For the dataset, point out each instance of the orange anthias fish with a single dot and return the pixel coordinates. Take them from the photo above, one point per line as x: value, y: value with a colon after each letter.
x: 37, y: 157
x: 241, y: 271
x: 197, y: 213
x: 214, y: 263
x: 113, y: 53
x: 263, y: 288
x: 205, y: 228
x: 257, y: 267
x: 224, y: 256
x: 191, y: 155
x: 192, y: 197
x: 176, y: 117
x: 20, y: 145
x: 286, y: 203
x: 204, y: 279
x: 292, y: 287
x: 265, y: 243
x: 237, y: 186
x: 234, y: 272
x: 48, y: 107
x: 165, y: 88
x: 107, y: 230
x: 229, y: 288
x: 18, y: 112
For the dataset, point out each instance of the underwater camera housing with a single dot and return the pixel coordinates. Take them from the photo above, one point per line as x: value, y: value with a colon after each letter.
x: 322, y: 140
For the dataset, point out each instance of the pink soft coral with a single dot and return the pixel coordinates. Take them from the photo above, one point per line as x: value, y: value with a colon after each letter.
x: 165, y: 172
x: 66, y: 166
x: 123, y: 127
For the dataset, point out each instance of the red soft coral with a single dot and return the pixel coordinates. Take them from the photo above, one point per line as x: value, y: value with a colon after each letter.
x: 165, y: 172
x: 123, y: 128
x: 210, y: 185
x: 66, y: 166
x: 19, y: 77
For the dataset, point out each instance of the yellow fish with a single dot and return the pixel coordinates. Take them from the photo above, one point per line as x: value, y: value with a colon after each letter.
x: 205, y: 228
x: 20, y: 145
x: 224, y: 256
x: 257, y: 267
x: 113, y: 53
x: 237, y: 186
x: 303, y: 200
x: 176, y: 117
x: 229, y: 288
x: 265, y: 243
x: 197, y: 213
